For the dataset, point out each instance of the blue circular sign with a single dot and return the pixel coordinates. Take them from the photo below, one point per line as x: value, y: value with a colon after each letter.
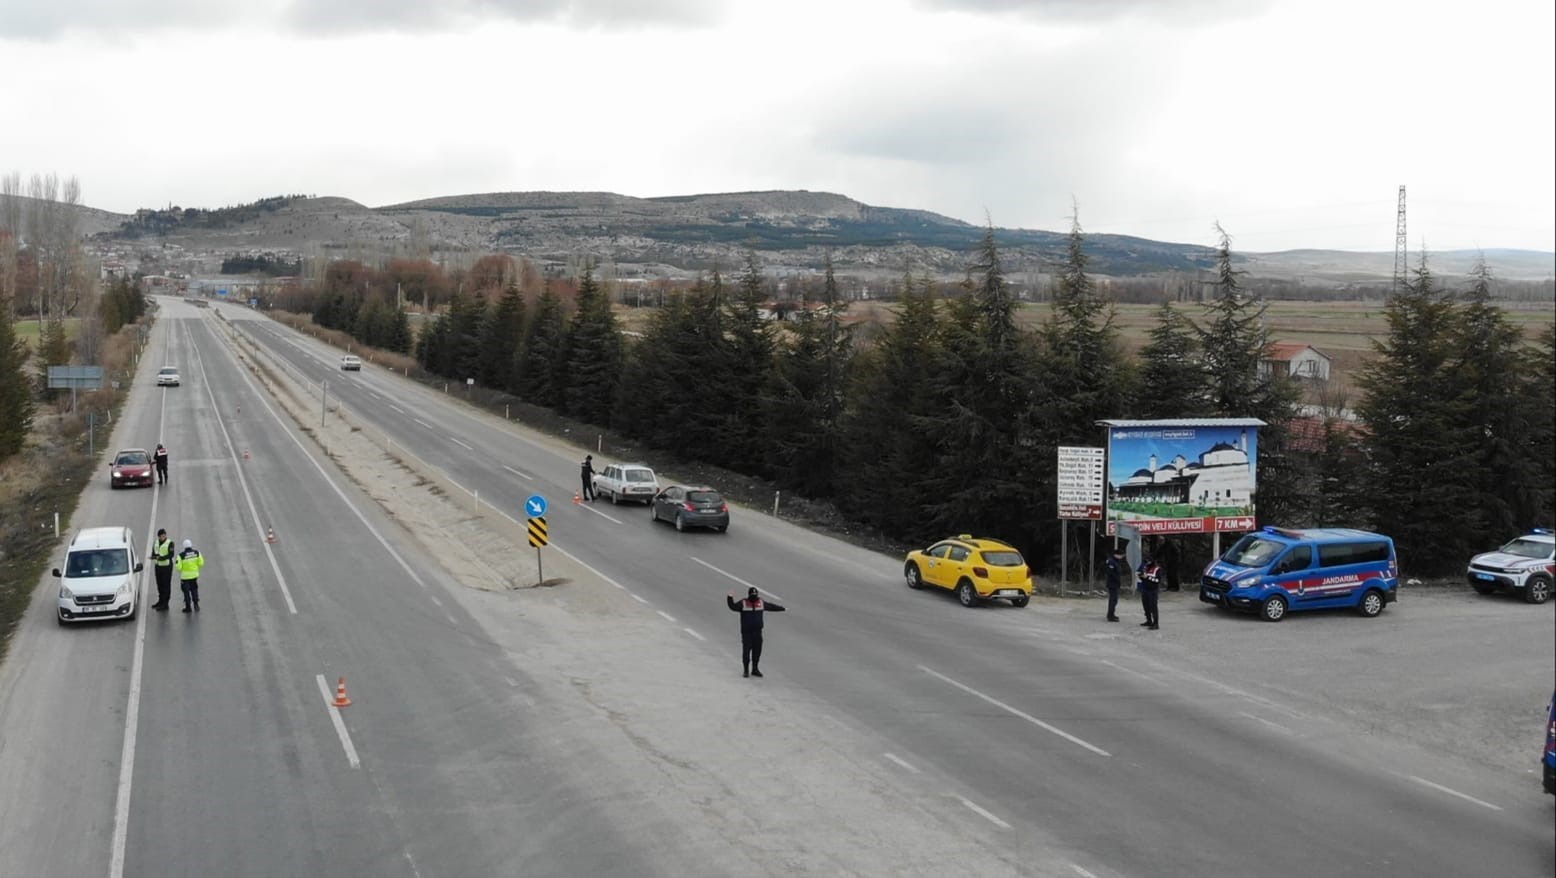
x: 535, y: 506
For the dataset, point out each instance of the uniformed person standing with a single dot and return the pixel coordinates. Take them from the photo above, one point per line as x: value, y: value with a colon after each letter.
x: 1116, y: 565
x: 586, y: 472
x: 162, y: 564
x: 1150, y: 585
x: 189, y: 564
x: 751, y: 610
x: 159, y: 457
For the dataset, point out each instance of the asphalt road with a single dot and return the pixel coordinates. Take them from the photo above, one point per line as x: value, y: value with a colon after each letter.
x: 1031, y: 741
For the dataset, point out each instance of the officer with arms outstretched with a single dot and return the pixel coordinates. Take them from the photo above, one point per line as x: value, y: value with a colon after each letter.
x: 751, y: 610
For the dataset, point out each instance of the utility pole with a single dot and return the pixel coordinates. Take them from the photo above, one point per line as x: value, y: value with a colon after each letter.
x: 1399, y: 244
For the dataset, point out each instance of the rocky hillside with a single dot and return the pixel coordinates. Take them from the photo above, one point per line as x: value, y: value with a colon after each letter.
x: 680, y: 235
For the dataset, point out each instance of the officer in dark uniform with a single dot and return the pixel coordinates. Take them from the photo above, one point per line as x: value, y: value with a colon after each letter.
x: 1150, y: 585
x: 750, y: 611
x: 159, y: 457
x: 586, y: 470
x: 1116, y: 566
x: 162, y: 563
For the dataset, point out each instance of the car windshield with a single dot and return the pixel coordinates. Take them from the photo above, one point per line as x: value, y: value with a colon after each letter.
x: 97, y: 562
x: 639, y: 475
x: 1528, y: 548
x: 1002, y: 558
x: 703, y: 496
x: 1253, y: 551
x: 169, y: 370
x: 132, y: 458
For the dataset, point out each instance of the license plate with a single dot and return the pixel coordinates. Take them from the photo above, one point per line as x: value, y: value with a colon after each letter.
x: 1212, y: 595
x: 94, y: 609
x: 1009, y: 591
x: 1485, y: 576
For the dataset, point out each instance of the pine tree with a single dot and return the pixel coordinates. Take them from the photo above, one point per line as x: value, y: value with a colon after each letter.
x: 53, y: 350
x: 807, y: 394
x: 748, y: 338
x: 1421, y: 483
x: 594, y: 355
x: 542, y: 379
x: 988, y: 474
x: 16, y: 406
x: 1233, y: 344
x: 891, y: 399
x: 1539, y: 379
x: 1488, y: 371
x: 501, y: 333
x: 400, y: 332
x: 1172, y: 377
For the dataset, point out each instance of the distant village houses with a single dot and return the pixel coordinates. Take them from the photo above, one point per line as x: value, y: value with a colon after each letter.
x: 1288, y: 359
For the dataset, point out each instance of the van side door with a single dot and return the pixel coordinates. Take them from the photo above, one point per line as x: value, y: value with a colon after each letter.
x: 1346, y: 567
x: 1292, y: 573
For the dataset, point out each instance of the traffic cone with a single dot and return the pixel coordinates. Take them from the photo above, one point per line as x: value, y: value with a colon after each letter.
x: 270, y: 535
x: 340, y: 694
x: 577, y: 500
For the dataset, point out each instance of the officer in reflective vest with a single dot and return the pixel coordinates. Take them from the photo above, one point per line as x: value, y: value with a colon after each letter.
x: 162, y: 564
x: 189, y: 564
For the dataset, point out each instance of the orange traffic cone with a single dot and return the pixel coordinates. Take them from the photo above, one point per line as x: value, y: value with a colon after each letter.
x: 340, y: 694
x: 270, y: 535
x: 577, y: 500
x: 245, y: 454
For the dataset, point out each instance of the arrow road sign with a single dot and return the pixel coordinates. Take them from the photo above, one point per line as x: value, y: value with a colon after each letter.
x: 535, y: 506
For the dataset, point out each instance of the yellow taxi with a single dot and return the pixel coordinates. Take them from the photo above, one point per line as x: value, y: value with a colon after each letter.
x: 976, y: 569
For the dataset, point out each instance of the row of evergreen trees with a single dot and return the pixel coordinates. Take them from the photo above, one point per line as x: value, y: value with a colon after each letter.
x: 949, y: 420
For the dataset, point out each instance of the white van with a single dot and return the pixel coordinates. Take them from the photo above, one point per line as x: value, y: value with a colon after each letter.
x: 100, y: 578
x: 350, y: 363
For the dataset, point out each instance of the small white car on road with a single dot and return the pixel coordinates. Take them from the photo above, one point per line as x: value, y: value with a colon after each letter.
x: 350, y: 363
x: 167, y: 376
x: 99, y: 578
x: 626, y: 481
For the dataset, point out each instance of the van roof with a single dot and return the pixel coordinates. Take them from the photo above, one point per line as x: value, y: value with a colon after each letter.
x: 101, y: 538
x: 1323, y: 534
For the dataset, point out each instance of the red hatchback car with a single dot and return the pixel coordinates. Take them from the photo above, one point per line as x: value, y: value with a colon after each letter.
x: 131, y: 466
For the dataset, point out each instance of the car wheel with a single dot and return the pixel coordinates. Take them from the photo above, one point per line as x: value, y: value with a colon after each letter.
x: 1274, y: 608
x: 723, y: 528
x: 680, y: 522
x: 1371, y: 603
x: 967, y: 594
x: 1537, y: 590
x: 912, y: 574
x: 1021, y: 601
x: 1482, y: 588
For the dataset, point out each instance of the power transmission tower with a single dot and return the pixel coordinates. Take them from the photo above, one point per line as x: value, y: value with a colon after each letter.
x: 1399, y: 244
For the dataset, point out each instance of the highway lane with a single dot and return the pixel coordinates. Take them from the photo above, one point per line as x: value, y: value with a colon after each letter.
x: 221, y: 756
x: 950, y: 687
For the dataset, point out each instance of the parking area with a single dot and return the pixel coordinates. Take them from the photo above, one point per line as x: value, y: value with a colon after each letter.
x: 1443, y: 668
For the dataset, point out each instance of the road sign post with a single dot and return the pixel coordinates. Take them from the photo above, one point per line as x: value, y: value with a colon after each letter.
x: 537, y: 534
x: 1080, y: 486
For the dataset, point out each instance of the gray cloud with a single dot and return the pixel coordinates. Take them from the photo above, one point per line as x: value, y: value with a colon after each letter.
x: 1178, y: 11
x: 29, y: 19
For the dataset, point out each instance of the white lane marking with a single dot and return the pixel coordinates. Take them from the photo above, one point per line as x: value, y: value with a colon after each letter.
x: 734, y: 577
x: 1082, y: 872
x: 695, y: 634
x: 511, y: 682
x: 517, y: 473
x: 1142, y: 676
x: 667, y: 617
x: 1232, y: 690
x: 434, y: 599
x: 260, y: 528
x: 1014, y: 712
x: 121, y: 805
x: 397, y: 408
x: 404, y: 565
x: 461, y: 443
x: 899, y: 760
x: 637, y: 598
x: 452, y: 622
x: 340, y: 724
x: 590, y: 508
x: 1452, y: 792
x: 374, y: 395
x: 1273, y: 725
x: 423, y: 423
x: 984, y: 814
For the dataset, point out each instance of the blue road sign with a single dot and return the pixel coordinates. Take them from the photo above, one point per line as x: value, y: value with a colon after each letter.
x: 535, y: 506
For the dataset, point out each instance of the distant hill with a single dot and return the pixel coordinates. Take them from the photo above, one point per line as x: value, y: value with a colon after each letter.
x: 680, y: 235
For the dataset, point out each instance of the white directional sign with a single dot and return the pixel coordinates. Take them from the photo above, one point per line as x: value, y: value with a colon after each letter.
x: 1082, y: 478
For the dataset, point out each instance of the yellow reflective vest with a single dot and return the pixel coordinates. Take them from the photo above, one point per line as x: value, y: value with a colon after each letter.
x: 163, y: 553
x: 189, y: 564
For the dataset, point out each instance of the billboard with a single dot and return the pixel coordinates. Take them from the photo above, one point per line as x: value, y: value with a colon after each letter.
x: 1189, y: 476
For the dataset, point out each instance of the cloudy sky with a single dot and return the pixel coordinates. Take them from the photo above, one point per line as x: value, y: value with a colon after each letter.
x: 1292, y: 122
